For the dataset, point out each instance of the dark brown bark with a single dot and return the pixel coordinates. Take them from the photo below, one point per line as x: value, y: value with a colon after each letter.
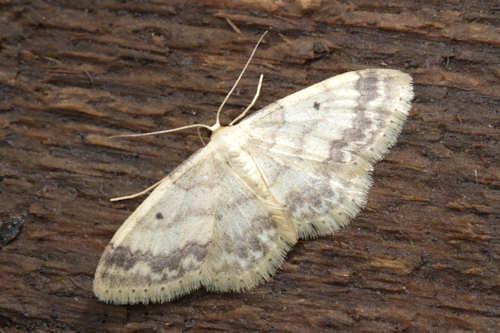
x: 422, y: 256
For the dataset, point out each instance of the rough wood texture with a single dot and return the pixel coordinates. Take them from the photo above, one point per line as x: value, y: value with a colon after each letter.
x: 423, y: 256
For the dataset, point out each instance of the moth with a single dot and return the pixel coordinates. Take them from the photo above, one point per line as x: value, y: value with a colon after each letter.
x: 226, y: 217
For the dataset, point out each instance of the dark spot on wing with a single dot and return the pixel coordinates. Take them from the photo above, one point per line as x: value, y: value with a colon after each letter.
x: 159, y: 216
x: 316, y: 105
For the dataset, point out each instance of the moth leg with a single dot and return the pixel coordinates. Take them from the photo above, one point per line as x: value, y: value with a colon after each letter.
x: 138, y: 194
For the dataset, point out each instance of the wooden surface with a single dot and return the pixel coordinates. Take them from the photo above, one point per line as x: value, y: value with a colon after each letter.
x: 423, y: 256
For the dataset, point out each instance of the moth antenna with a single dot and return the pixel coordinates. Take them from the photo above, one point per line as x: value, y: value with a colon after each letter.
x: 138, y: 194
x: 259, y: 85
x: 217, y: 123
